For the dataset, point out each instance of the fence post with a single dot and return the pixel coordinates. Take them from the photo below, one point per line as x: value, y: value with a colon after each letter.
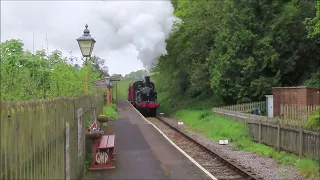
x: 236, y: 115
x: 278, y: 137
x: 67, y: 153
x: 301, y: 142
x: 246, y: 124
x: 260, y: 130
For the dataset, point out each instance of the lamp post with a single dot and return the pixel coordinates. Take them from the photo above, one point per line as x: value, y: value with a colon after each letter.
x: 107, y: 80
x: 110, y: 91
x: 86, y: 44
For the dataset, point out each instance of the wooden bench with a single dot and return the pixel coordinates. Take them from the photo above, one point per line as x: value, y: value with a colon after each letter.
x: 107, y: 142
x: 103, y: 151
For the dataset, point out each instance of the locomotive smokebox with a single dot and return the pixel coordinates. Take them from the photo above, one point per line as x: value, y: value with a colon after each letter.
x: 147, y: 80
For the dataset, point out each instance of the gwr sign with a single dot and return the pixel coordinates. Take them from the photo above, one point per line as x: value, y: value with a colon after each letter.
x: 102, y: 157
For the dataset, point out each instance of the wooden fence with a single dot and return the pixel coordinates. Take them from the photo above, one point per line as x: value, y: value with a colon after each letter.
x: 247, y: 107
x: 283, y: 137
x: 296, y: 114
x: 44, y: 139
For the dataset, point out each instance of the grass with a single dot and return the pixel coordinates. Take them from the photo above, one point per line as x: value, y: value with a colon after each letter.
x: 169, y: 106
x: 217, y: 127
x: 122, y: 88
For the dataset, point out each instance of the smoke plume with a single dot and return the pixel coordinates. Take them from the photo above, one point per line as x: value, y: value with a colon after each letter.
x: 125, y: 31
x: 143, y: 25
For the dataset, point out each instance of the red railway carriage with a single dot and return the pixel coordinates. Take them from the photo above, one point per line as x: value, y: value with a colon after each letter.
x: 143, y: 96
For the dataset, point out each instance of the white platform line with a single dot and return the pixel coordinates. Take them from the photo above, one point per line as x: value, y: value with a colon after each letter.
x: 184, y: 153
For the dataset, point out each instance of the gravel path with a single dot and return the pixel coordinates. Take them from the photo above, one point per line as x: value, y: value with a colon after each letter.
x: 265, y: 167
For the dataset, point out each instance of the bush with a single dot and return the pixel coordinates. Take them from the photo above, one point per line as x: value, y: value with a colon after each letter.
x: 114, y: 106
x: 110, y: 112
x: 314, y: 121
x: 314, y: 80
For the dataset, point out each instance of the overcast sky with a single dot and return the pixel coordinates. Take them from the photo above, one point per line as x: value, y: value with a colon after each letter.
x: 129, y: 34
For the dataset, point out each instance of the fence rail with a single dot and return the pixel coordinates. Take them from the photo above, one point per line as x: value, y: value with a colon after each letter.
x: 296, y: 114
x: 247, y: 107
x: 33, y: 137
x: 283, y: 137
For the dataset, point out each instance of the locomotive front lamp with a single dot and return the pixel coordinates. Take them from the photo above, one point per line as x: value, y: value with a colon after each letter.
x: 86, y: 43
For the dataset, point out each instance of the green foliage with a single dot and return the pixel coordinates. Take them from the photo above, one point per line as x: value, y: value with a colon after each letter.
x: 111, y: 112
x: 114, y: 106
x: 37, y: 76
x: 238, y: 50
x: 217, y: 127
x: 88, y: 123
x: 313, y: 24
x: 169, y: 105
x: 314, y: 80
x: 122, y: 88
x: 87, y: 174
x: 314, y: 121
x: 135, y: 75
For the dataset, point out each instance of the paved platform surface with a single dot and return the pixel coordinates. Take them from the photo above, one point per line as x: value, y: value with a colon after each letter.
x: 143, y: 153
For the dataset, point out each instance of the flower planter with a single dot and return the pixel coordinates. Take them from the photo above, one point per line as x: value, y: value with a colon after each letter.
x: 102, y: 119
x: 95, y: 134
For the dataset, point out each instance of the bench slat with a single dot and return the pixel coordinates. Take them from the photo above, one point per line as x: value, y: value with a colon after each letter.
x: 103, y: 143
x: 110, y: 143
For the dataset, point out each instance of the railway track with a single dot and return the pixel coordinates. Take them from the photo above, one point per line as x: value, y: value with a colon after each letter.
x: 220, y: 167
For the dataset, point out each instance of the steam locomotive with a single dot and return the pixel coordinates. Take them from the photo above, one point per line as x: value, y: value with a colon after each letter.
x: 143, y: 96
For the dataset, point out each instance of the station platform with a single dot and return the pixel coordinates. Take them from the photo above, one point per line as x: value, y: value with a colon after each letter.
x: 143, y: 153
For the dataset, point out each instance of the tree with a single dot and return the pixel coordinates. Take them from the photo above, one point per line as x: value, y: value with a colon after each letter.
x: 98, y: 65
x: 33, y: 76
x: 238, y: 50
x: 135, y: 75
x: 313, y: 24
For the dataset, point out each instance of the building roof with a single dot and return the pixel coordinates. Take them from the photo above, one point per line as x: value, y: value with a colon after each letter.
x: 296, y: 87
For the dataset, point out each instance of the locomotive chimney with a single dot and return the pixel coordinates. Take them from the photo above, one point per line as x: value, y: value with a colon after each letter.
x: 147, y: 80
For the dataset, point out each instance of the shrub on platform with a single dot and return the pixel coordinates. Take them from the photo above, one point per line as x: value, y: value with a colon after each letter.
x: 114, y: 106
x: 111, y: 112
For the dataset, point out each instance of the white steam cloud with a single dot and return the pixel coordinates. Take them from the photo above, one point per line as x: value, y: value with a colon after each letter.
x: 142, y: 25
x: 125, y: 31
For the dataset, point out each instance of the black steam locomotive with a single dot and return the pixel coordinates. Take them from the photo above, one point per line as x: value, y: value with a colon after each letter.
x: 143, y: 96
